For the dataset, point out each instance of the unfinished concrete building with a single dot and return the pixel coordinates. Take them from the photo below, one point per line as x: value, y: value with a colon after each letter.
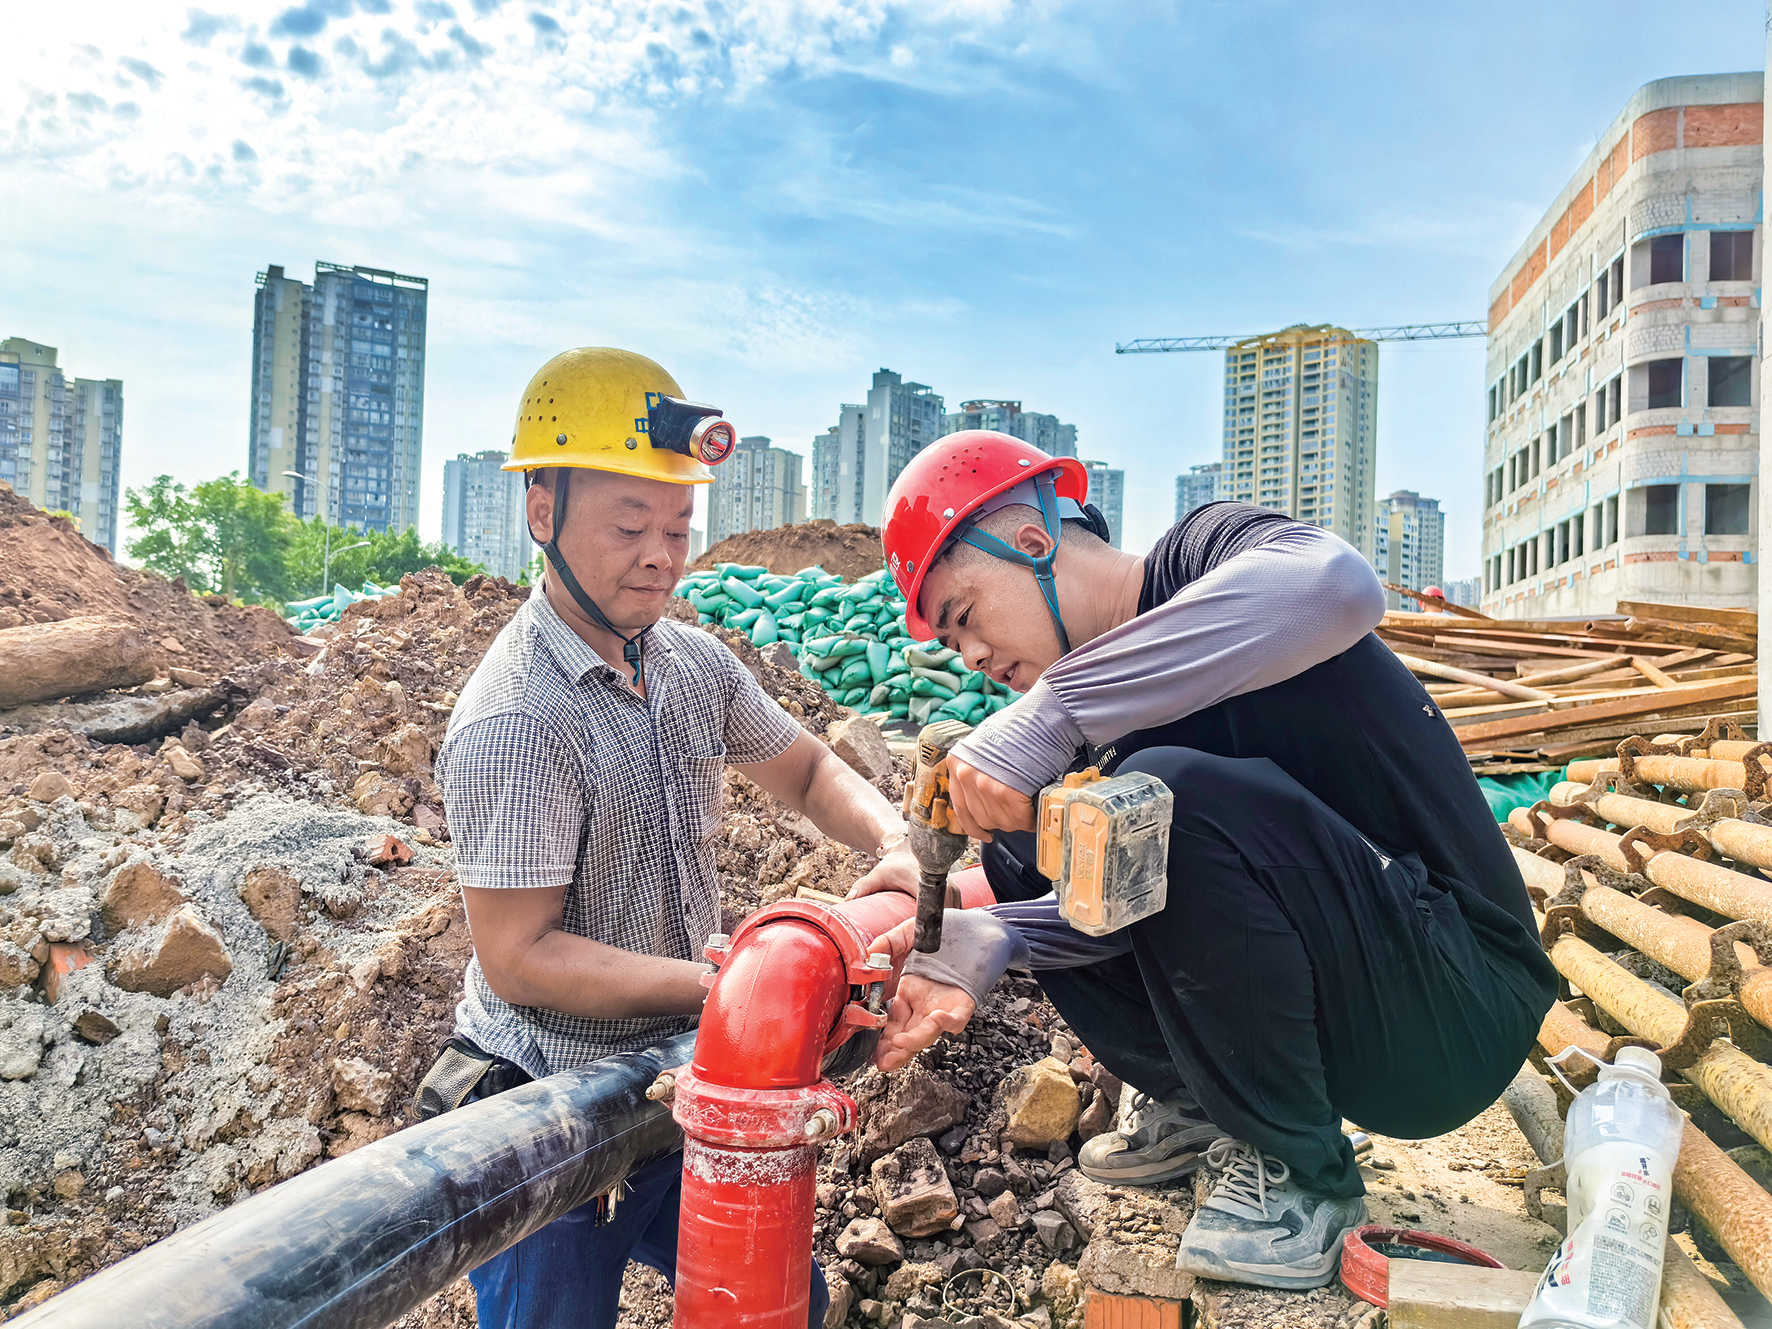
x: 1622, y: 427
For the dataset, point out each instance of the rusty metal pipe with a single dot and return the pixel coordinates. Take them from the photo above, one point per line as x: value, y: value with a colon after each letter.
x: 1734, y: 894
x: 1690, y: 775
x: 1743, y: 841
x: 1730, y: 1078
x: 1706, y: 1180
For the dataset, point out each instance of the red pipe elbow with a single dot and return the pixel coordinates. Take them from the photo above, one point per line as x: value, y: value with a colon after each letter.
x: 772, y: 1008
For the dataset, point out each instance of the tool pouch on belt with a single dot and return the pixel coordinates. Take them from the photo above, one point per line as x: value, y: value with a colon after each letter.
x: 461, y: 1068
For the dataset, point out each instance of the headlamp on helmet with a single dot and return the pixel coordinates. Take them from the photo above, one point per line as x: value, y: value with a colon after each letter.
x: 687, y: 427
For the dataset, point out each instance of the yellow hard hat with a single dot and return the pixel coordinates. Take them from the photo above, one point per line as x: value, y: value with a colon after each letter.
x: 613, y: 410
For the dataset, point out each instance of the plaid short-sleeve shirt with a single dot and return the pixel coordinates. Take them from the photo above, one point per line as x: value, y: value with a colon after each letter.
x: 555, y: 773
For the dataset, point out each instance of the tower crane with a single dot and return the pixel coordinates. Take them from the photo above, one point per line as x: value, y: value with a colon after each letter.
x: 1401, y: 332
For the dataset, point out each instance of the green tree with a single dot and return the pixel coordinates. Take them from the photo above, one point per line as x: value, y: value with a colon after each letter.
x: 387, y: 557
x: 222, y: 535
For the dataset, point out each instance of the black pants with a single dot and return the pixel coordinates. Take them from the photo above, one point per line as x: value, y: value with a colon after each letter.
x: 1297, y: 976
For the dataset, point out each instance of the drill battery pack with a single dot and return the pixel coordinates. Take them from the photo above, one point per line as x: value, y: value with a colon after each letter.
x: 1104, y: 844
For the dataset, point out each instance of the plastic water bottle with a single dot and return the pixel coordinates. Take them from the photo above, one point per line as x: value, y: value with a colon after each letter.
x: 1620, y: 1143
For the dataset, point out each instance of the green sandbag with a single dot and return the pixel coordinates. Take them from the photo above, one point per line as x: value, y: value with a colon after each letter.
x: 926, y: 659
x: 847, y: 646
x: 937, y: 678
x: 957, y: 666
x: 879, y: 695
x: 878, y: 658
x: 710, y: 602
x: 741, y: 592
x: 745, y: 617
x: 813, y: 573
x: 899, y: 710
x: 744, y: 571
x: 789, y: 594
x: 860, y: 623
x: 763, y: 631
x: 853, y: 697
x: 918, y: 709
x: 828, y: 596
x: 789, y: 620
x: 855, y: 673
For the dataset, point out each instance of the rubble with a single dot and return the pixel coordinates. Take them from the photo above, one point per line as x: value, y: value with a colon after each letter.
x: 850, y: 551
x: 1041, y: 1101
x: 913, y: 1191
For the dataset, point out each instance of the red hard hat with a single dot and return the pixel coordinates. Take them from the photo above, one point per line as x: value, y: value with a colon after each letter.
x: 944, y: 484
x: 1434, y: 591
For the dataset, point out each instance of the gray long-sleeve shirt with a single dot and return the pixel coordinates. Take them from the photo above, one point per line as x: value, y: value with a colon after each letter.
x: 1284, y: 598
x: 1260, y: 617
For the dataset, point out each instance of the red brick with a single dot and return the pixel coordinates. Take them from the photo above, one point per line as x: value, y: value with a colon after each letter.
x: 1498, y: 311
x: 64, y: 959
x: 1581, y: 207
x: 1530, y: 272
x: 1732, y: 429
x: 1658, y: 131
x: 1725, y: 556
x: 1734, y: 125
x: 1107, y: 1311
x: 1648, y: 430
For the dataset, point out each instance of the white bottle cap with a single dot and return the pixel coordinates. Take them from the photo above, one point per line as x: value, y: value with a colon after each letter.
x: 1635, y: 1062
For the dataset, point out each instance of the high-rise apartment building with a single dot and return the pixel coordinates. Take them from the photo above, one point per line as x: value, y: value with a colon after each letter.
x: 60, y: 438
x: 338, y: 379
x: 854, y: 464
x: 483, y: 513
x: 1301, y: 427
x: 1107, y: 491
x: 1045, y: 432
x: 1622, y: 438
x: 1465, y: 591
x: 1409, y: 543
x: 1196, y: 488
x: 757, y: 488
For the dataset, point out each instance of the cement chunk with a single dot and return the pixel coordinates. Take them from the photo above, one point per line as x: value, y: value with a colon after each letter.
x: 1042, y: 1103
x: 186, y: 950
x: 913, y: 1191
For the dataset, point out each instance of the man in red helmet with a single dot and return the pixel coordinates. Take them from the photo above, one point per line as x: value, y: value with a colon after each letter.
x: 1346, y: 935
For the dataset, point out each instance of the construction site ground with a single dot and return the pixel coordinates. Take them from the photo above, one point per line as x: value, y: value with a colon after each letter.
x: 230, y: 948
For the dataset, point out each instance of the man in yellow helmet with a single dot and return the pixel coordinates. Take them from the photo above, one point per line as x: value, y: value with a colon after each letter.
x: 583, y: 773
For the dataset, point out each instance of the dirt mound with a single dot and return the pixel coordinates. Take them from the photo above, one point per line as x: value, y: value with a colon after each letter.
x: 849, y: 551
x: 49, y: 571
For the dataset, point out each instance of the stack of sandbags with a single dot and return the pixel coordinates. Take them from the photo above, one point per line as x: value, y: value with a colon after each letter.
x: 850, y: 638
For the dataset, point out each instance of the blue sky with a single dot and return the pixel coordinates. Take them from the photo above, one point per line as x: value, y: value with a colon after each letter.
x: 774, y: 199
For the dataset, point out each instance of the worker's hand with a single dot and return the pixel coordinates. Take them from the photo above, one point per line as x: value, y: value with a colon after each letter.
x: 982, y: 805
x: 896, y: 872
x: 922, y: 1011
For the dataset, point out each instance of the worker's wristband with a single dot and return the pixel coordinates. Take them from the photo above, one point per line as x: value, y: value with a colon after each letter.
x: 976, y: 949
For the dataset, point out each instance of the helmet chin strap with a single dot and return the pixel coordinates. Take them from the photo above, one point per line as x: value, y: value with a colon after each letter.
x: 1047, y: 489
x: 630, y: 646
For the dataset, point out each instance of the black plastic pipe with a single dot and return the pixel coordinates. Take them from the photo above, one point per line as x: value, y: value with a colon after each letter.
x: 363, y: 1239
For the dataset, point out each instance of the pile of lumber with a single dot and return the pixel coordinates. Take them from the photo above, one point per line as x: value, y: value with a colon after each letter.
x: 1535, y: 694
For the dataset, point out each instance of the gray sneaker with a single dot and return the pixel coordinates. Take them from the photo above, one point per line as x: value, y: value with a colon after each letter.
x: 1155, y: 1142
x: 1260, y: 1227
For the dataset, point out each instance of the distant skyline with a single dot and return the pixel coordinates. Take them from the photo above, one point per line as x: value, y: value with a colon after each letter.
x: 774, y: 198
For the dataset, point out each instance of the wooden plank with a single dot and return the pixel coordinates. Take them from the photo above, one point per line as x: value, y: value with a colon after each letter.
x: 1518, y: 649
x: 1567, y: 674
x: 1434, y: 670
x: 1462, y: 611
x: 1727, y: 690
x: 1425, y: 1294
x: 1650, y: 672
x: 1742, y: 620
x: 1592, y: 641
